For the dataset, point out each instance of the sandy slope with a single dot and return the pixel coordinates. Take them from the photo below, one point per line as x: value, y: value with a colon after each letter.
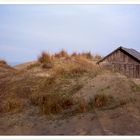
x: 120, y: 121
x: 117, y: 120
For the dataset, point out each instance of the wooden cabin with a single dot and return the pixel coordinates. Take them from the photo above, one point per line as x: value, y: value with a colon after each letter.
x: 123, y: 60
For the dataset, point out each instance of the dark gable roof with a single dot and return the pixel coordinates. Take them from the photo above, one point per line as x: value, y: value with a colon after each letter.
x: 131, y: 52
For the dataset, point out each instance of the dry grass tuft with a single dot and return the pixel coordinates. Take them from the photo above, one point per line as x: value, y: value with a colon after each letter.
x: 45, y: 57
x: 82, y: 106
x: 46, y: 60
x: 11, y: 105
x: 101, y: 100
x: 61, y: 54
x: 83, y: 55
x: 52, y: 103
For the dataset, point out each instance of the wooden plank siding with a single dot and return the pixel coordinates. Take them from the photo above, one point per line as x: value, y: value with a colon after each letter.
x: 130, y: 70
x: 123, y: 63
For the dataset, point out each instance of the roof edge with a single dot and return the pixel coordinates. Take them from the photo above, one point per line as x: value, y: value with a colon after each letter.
x: 116, y: 50
x: 109, y: 55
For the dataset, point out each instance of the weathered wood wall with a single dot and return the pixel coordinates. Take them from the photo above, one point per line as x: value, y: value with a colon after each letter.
x: 123, y: 63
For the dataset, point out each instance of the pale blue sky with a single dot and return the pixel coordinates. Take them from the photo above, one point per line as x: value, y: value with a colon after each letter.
x: 26, y: 30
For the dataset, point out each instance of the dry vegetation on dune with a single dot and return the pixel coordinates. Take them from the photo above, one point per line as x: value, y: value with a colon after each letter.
x: 64, y: 84
x: 61, y: 54
x: 86, y: 55
x: 45, y: 57
x: 55, y: 92
x: 52, y: 94
x: 2, y: 62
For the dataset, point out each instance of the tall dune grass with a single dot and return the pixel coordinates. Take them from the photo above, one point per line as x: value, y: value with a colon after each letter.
x: 45, y: 57
x: 61, y: 53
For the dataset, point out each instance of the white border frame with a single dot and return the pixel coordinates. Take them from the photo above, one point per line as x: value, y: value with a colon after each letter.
x: 69, y: 1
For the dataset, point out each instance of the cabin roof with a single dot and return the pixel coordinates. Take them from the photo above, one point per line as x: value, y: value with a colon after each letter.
x: 131, y: 52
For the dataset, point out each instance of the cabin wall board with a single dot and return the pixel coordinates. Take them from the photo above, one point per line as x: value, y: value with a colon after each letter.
x: 123, y: 63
